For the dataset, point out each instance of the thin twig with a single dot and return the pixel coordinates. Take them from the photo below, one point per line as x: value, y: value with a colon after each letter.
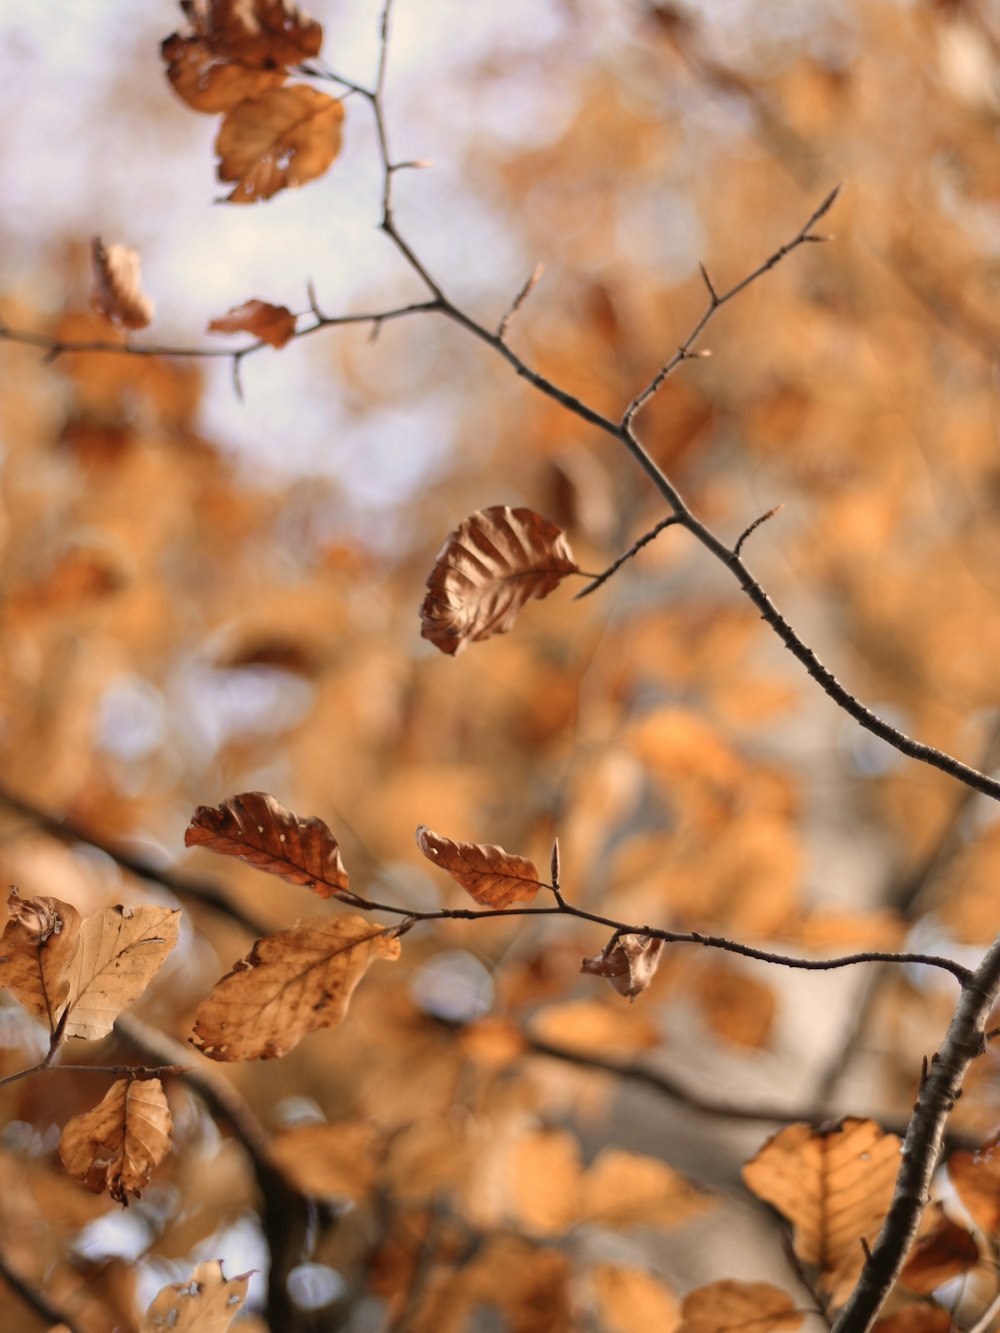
x: 754, y: 526
x: 519, y: 299
x: 119, y: 1071
x: 634, y: 549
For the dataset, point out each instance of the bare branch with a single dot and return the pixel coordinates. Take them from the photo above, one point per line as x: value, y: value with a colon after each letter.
x: 519, y: 300
x: 637, y: 546
x: 754, y: 526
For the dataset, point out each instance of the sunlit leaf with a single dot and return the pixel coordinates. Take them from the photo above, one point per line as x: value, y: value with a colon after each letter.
x: 119, y: 951
x: 289, y: 984
x: 918, y: 1318
x: 738, y: 1307
x: 281, y: 139
x: 259, y: 830
x: 494, y: 562
x: 115, y: 1146
x: 739, y: 1006
x: 274, y: 324
x: 327, y: 1161
x: 630, y: 1298
x: 209, y: 82
x: 206, y: 1303
x: 834, y: 1185
x: 493, y: 877
x: 116, y: 289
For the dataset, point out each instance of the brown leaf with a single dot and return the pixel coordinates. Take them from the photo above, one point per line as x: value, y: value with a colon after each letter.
x: 833, y: 1185
x: 274, y: 324
x: 259, y: 830
x: 946, y: 1251
x: 976, y: 1177
x: 738, y: 1307
x: 35, y: 949
x: 115, y: 1146
x: 628, y: 1189
x: 289, y: 984
x: 629, y: 963
x: 918, y: 1318
x: 490, y: 875
x: 738, y: 1006
x: 494, y: 562
x: 209, y: 82
x: 206, y: 1303
x: 324, y: 1161
x: 116, y: 290
x: 119, y: 951
x: 259, y: 33
x: 281, y: 139
x: 630, y: 1299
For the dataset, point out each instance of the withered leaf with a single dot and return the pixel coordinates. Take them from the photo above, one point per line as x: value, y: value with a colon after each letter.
x: 493, y: 877
x: 630, y: 1299
x: 976, y: 1178
x: 264, y: 33
x: 833, y: 1185
x: 327, y: 1161
x: 944, y: 1252
x: 280, y: 139
x: 116, y: 287
x: 37, y: 943
x: 918, y: 1318
x: 289, y: 984
x: 258, y: 829
x: 209, y: 82
x: 274, y: 324
x: 115, y: 1146
x: 738, y: 1307
x: 119, y: 950
x: 206, y: 1303
x: 494, y: 562
x: 629, y: 963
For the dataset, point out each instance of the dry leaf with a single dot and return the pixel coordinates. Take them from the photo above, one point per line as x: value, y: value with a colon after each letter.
x: 36, y: 946
x: 944, y: 1252
x: 258, y: 829
x: 629, y: 963
x: 264, y: 33
x: 273, y: 324
x: 327, y: 1161
x: 976, y: 1178
x: 592, y: 1026
x: 629, y: 1299
x: 627, y: 1189
x: 206, y: 1303
x: 490, y: 875
x: 115, y: 1146
x: 119, y: 951
x: 211, y: 83
x: 918, y: 1318
x: 289, y: 984
x: 116, y: 290
x: 738, y: 1307
x: 494, y: 562
x: 281, y: 139
x: 833, y: 1185
x: 738, y: 1006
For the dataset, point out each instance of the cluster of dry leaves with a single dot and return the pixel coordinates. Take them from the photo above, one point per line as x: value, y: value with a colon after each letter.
x: 437, y: 1142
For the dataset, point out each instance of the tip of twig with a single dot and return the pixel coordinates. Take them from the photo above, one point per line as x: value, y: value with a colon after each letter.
x: 828, y: 202
x: 314, y: 300
x: 237, y: 382
x: 754, y: 526
x: 708, y: 283
x: 554, y: 864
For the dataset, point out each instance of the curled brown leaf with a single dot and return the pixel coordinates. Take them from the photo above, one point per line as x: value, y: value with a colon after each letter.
x: 273, y: 324
x: 116, y: 1145
x: 280, y: 139
x: 494, y: 562
x: 492, y: 876
x: 258, y: 829
x: 116, y: 288
x: 629, y: 963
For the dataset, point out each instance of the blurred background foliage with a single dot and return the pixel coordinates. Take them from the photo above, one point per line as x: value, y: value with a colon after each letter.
x: 202, y: 596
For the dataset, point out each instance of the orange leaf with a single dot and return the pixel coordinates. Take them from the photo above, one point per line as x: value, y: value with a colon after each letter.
x: 116, y: 290
x: 629, y: 963
x: 738, y: 1307
x: 976, y: 1177
x: 327, y: 1161
x: 946, y: 1251
x: 115, y: 1146
x: 280, y: 139
x: 209, y: 82
x: 629, y: 1298
x: 35, y: 949
x: 492, y: 876
x: 490, y: 566
x: 289, y: 984
x: 738, y: 1006
x: 833, y: 1185
x: 206, y: 1303
x: 918, y: 1318
x: 263, y: 33
x: 274, y: 324
x: 256, y: 828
